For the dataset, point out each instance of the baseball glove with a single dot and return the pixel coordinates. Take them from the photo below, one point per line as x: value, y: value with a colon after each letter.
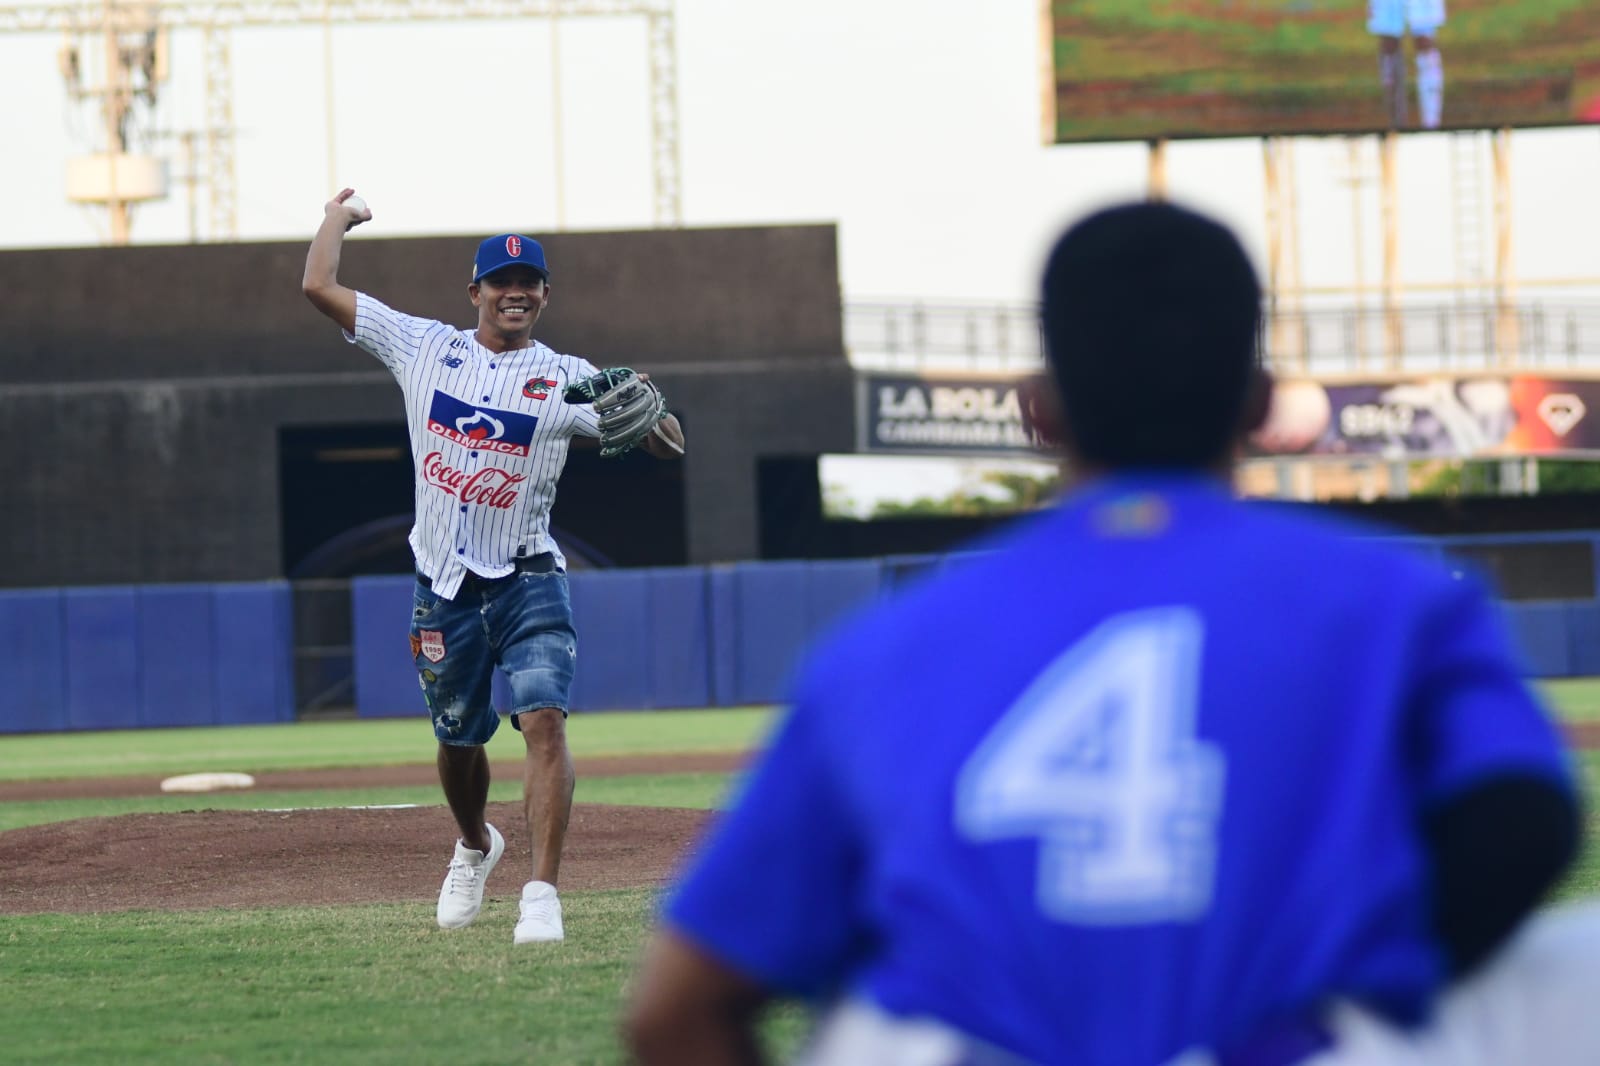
x: 629, y: 407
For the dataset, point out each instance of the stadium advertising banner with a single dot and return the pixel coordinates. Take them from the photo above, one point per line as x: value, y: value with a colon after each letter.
x: 1147, y: 69
x: 918, y: 415
x: 1479, y: 416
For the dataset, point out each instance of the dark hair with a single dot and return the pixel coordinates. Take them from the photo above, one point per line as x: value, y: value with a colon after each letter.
x: 1152, y: 316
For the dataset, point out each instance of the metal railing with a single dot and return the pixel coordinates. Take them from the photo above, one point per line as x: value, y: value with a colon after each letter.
x: 1329, y: 340
x: 1444, y: 336
x: 324, y: 656
x: 945, y: 336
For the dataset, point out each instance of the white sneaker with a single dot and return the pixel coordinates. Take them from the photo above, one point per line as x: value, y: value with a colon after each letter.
x: 462, y: 894
x: 540, y: 914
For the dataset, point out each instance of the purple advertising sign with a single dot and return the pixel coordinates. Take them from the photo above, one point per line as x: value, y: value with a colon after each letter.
x: 1434, y: 417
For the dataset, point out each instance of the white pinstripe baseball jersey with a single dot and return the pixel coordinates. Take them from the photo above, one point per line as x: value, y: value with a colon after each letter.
x: 1391, y: 18
x: 489, y: 436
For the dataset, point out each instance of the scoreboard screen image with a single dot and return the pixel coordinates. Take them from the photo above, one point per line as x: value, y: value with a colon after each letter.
x: 1153, y: 69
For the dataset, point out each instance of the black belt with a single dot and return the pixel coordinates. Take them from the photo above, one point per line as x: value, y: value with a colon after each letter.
x: 543, y: 563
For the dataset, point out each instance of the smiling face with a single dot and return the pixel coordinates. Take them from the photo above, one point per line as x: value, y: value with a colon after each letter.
x: 509, y: 302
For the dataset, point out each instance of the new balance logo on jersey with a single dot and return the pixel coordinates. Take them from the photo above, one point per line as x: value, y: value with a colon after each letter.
x: 505, y: 432
x: 450, y: 359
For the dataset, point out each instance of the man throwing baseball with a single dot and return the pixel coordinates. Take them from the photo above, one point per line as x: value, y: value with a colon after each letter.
x: 491, y: 413
x: 1389, y: 21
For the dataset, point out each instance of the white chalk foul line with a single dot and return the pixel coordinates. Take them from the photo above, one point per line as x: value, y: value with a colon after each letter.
x: 364, y: 807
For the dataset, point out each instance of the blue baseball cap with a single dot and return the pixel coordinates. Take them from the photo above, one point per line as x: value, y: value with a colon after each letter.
x: 508, y: 249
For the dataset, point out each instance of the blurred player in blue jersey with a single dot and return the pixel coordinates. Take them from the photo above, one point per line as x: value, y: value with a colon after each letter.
x: 1389, y: 21
x: 1160, y: 776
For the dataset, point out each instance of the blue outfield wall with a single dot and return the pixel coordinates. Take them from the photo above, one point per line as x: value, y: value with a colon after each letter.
x: 33, y: 630
x: 731, y: 635
x: 727, y: 635
x: 651, y: 638
x: 1558, y: 638
x: 385, y: 677
x: 157, y: 655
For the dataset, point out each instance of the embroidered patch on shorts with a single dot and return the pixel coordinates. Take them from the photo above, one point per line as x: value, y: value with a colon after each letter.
x: 429, y: 676
x: 416, y: 645
x: 432, y: 641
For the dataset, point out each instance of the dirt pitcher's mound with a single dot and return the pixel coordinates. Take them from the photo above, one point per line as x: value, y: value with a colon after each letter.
x: 295, y: 858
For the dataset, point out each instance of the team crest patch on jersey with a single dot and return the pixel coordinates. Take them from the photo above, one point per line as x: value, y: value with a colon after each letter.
x: 538, y: 388
x: 481, y: 428
x: 432, y: 641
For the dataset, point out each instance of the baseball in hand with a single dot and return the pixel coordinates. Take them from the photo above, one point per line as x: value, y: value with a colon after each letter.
x: 356, y: 203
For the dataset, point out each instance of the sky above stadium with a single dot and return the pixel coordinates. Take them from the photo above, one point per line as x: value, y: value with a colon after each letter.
x: 913, y: 124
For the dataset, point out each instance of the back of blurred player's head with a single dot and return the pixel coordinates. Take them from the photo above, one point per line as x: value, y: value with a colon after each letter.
x: 1151, y: 318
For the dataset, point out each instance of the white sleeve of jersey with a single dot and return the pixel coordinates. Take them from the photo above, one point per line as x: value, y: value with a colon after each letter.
x: 393, y: 337
x: 585, y: 423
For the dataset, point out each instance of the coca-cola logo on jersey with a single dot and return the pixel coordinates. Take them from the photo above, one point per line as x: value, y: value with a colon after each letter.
x: 489, y: 487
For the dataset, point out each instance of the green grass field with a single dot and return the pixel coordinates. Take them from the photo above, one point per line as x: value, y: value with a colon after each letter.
x: 377, y: 742
x: 372, y: 984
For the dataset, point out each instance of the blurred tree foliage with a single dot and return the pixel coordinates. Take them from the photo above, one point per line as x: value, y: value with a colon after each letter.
x: 1556, y: 476
x: 993, y: 492
x: 1568, y: 475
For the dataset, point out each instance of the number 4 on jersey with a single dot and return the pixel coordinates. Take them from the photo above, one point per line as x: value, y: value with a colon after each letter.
x: 1098, y: 760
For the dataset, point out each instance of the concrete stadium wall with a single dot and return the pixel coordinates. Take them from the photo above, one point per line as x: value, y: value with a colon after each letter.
x: 142, y: 389
x: 712, y: 636
x: 161, y: 312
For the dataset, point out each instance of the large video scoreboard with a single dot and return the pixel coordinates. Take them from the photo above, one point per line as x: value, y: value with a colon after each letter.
x: 1151, y: 69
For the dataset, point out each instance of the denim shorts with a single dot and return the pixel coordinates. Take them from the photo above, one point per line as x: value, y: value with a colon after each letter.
x: 521, y: 623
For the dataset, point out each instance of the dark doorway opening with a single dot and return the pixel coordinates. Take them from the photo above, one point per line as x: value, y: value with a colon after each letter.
x: 346, y: 496
x: 346, y: 506
x: 629, y: 510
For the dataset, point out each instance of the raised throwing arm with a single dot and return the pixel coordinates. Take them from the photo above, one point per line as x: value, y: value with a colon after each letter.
x: 321, y: 281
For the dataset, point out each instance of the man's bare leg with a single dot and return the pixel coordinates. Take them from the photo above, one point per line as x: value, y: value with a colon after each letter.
x: 464, y: 774
x: 1430, y: 83
x: 547, y: 788
x: 1392, y: 71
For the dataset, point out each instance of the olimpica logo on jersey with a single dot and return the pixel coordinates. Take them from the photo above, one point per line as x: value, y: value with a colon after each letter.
x: 486, y: 428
